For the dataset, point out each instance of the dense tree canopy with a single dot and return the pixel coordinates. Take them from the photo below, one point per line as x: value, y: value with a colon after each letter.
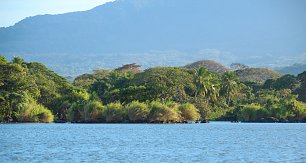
x: 30, y: 92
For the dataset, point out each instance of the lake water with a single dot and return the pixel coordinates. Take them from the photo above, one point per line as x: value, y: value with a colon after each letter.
x: 213, y: 142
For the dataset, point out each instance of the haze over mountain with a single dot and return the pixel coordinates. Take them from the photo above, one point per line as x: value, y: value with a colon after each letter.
x: 293, y: 69
x: 163, y: 32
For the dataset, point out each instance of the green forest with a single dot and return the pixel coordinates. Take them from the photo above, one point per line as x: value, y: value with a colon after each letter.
x: 30, y: 92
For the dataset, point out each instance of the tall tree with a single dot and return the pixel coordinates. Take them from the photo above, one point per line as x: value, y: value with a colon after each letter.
x: 206, y: 84
x: 229, y: 85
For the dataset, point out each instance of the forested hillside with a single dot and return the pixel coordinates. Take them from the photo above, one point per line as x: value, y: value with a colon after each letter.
x: 29, y: 92
x: 160, y: 33
x: 256, y: 74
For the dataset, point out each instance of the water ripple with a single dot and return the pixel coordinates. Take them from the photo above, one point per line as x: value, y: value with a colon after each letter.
x: 214, y: 142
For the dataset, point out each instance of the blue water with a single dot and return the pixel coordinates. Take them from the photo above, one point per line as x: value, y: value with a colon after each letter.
x: 213, y: 142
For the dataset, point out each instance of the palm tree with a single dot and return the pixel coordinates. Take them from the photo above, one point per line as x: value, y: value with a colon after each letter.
x: 229, y: 85
x: 205, y: 84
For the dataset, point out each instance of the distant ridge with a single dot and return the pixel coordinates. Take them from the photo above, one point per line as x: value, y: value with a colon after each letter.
x: 294, y: 69
x: 210, y: 65
x: 257, y: 74
x: 158, y: 33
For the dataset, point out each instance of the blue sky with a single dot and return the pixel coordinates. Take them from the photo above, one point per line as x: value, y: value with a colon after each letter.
x: 12, y: 11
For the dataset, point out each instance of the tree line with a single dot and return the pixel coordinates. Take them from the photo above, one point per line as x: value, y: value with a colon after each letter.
x: 30, y: 92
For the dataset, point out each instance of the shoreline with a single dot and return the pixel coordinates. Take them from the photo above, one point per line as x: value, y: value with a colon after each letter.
x: 148, y: 123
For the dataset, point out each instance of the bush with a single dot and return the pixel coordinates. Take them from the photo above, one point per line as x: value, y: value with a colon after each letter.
x: 299, y: 110
x: 74, y: 112
x: 33, y: 112
x: 205, y: 109
x: 249, y: 112
x: 162, y: 113
x: 189, y: 112
x: 93, y: 112
x: 279, y: 111
x: 137, y: 111
x: 114, y: 112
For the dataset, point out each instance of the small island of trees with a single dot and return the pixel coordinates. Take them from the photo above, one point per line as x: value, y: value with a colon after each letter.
x: 30, y: 92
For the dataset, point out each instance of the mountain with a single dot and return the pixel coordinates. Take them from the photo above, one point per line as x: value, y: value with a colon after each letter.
x: 162, y: 32
x: 293, y: 70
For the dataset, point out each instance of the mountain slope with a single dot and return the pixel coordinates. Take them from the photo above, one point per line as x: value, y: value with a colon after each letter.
x: 129, y: 29
x: 294, y: 69
x: 257, y: 74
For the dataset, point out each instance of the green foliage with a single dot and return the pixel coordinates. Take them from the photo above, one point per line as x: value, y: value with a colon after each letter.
x: 14, y: 78
x: 250, y: 112
x: 2, y: 59
x: 49, y: 84
x: 301, y: 91
x: 229, y: 86
x: 166, y: 83
x: 86, y: 80
x: 254, y: 86
x: 82, y: 112
x: 133, y: 93
x: 137, y: 111
x: 76, y: 111
x: 189, y: 112
x: 114, y: 112
x: 204, y: 107
x: 112, y: 87
x: 30, y: 92
x: 284, y: 82
x: 33, y: 112
x: 36, y: 81
x: 27, y: 110
x: 299, y: 110
x: 93, y: 112
x: 207, y: 84
x: 162, y: 113
x: 277, y: 104
x: 302, y: 77
x: 259, y: 75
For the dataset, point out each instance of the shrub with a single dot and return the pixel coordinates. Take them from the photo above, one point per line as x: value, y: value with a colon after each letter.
x: 299, y: 110
x: 249, y: 112
x: 33, y: 112
x: 162, y: 113
x: 137, y: 111
x: 114, y: 112
x: 93, y: 112
x: 188, y: 112
x: 205, y: 109
x: 74, y: 112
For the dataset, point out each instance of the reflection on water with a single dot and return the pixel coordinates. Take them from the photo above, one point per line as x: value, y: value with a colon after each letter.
x: 213, y: 142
